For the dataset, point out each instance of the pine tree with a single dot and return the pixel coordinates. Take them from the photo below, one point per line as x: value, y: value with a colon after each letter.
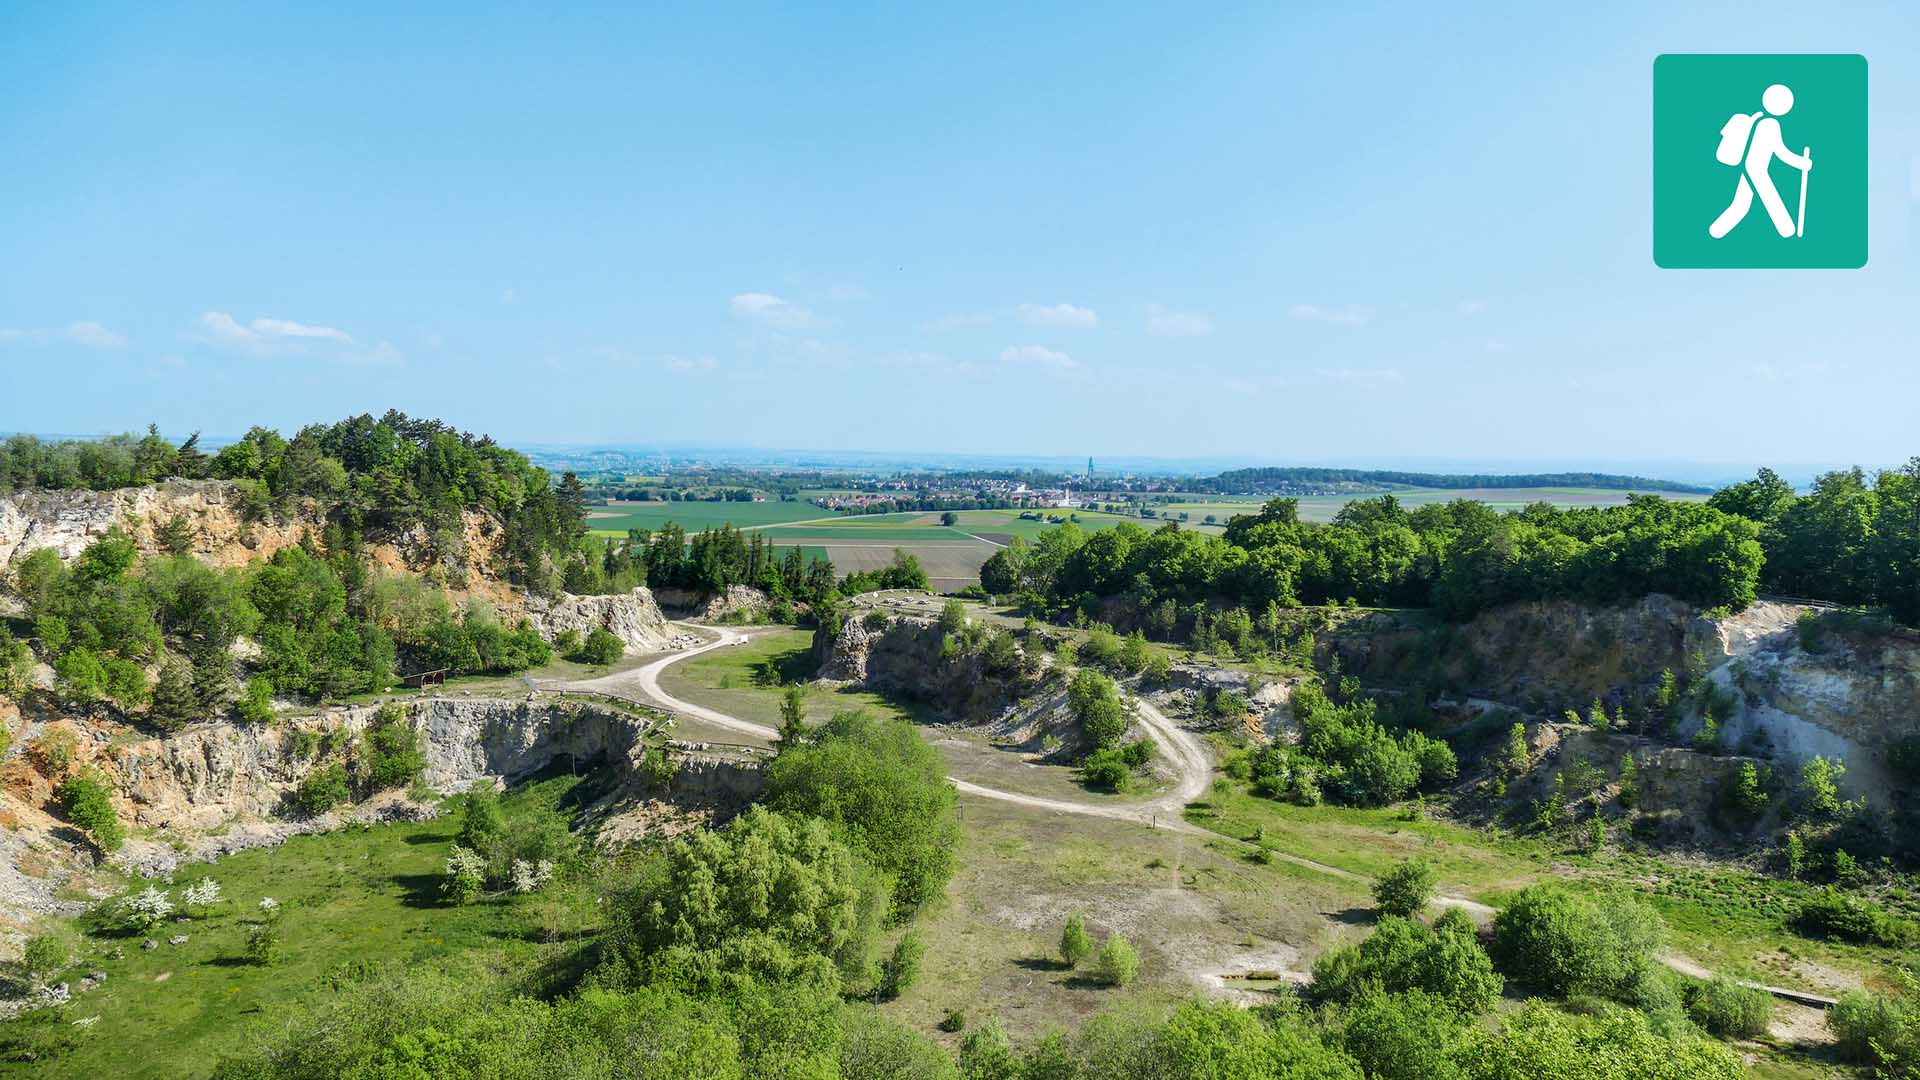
x: 174, y: 702
x: 793, y: 726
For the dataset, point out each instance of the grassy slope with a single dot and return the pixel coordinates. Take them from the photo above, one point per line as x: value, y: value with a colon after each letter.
x: 353, y: 897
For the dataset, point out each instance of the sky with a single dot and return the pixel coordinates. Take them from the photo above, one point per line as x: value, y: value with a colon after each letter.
x: 1303, y: 233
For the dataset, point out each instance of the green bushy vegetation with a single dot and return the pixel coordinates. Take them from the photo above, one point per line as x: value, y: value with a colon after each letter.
x: 1565, y: 943
x: 1730, y: 1010
x: 1347, y: 755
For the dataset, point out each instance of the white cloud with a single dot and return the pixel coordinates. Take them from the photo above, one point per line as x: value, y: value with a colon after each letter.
x: 769, y: 310
x: 1360, y: 374
x: 262, y: 334
x: 1038, y: 355
x: 1057, y: 315
x: 703, y: 362
x: 93, y: 335
x: 949, y: 323
x: 1350, y: 315
x: 1166, y: 322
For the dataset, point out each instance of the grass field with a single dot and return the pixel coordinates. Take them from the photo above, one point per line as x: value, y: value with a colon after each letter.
x: 350, y: 899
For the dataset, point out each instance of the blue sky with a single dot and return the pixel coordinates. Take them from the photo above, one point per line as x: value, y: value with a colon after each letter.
x: 1274, y: 232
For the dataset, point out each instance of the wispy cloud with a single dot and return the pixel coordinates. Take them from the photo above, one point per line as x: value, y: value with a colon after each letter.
x: 703, y: 362
x: 949, y: 323
x: 90, y: 334
x: 1350, y: 315
x: 1165, y: 322
x: 1066, y: 315
x: 1360, y: 374
x: 1037, y: 356
x: 771, y: 311
x: 222, y: 328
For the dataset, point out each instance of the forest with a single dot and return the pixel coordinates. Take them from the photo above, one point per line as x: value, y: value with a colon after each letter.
x: 1850, y: 540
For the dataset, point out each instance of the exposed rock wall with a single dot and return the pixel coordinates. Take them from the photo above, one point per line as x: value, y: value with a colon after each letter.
x: 632, y: 617
x: 730, y: 602
x: 906, y: 657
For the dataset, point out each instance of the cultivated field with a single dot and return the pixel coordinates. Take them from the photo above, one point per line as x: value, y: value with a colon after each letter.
x: 617, y: 518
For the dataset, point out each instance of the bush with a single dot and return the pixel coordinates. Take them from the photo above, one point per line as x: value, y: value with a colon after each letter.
x: 600, y: 649
x: 1106, y: 770
x: 899, y: 970
x: 323, y: 789
x: 393, y: 757
x: 1406, y: 889
x: 89, y: 805
x: 1075, y: 944
x: 1619, y: 1044
x: 1830, y: 913
x: 1119, y: 962
x: 1730, y: 1010
x: 1406, y: 1036
x: 1444, y: 960
x: 1567, y: 944
x: 1096, y: 705
x: 256, y: 701
x: 1881, y: 1031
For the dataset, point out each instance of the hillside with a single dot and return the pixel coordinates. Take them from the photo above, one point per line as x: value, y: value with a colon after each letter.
x: 1269, y: 480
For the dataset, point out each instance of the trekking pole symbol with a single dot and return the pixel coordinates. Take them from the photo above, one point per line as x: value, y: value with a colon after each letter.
x: 1800, y: 222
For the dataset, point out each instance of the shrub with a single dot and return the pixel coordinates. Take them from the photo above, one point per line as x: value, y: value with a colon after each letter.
x: 1619, y: 1044
x: 1730, y: 1010
x: 1406, y: 889
x: 1445, y: 960
x: 89, y: 805
x: 323, y: 789
x: 1830, y: 913
x: 256, y: 702
x: 1106, y: 769
x: 466, y: 875
x: 393, y: 757
x: 43, y: 956
x: 1406, y: 1036
x: 1096, y: 705
x: 902, y: 967
x: 1567, y: 944
x: 1879, y: 1030
x: 148, y: 908
x: 1119, y: 962
x: 482, y: 822
x: 1075, y: 944
x: 600, y: 649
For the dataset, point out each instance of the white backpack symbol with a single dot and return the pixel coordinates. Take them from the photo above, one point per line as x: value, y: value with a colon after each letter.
x: 1734, y: 136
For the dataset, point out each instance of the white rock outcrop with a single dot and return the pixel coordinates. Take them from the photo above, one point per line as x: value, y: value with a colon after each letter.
x: 632, y: 617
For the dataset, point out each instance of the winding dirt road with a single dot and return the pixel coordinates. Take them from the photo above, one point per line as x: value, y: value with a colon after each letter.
x: 1191, y: 763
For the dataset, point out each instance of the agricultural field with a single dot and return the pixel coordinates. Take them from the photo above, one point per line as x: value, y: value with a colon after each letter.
x: 1324, y: 507
x: 614, y: 519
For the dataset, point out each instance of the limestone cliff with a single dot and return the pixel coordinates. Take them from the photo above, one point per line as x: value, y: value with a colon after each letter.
x: 632, y: 617
x: 915, y: 659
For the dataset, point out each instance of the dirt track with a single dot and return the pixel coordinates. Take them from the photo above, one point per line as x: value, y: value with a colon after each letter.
x: 1183, y: 749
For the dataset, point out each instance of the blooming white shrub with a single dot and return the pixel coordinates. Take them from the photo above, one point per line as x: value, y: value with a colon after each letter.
x: 466, y: 873
x: 201, y: 894
x: 149, y: 908
x: 530, y: 876
x: 269, y: 905
x: 49, y: 997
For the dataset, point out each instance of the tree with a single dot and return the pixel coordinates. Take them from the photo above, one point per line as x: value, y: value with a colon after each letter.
x: 1539, y: 1043
x: 1565, y: 943
x: 392, y: 756
x: 1095, y: 703
x: 1444, y: 960
x: 1075, y: 944
x: 174, y: 703
x: 793, y: 724
x: 88, y: 803
x: 953, y: 617
x: 949, y: 519
x: 701, y: 911
x: 323, y: 789
x: 884, y: 790
x: 1409, y: 1036
x: 902, y: 967
x: 1119, y: 962
x: 1406, y: 889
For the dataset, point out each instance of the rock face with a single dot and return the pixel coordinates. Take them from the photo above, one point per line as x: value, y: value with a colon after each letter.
x: 734, y: 601
x: 1838, y: 686
x: 632, y: 617
x: 908, y: 657
x: 216, y: 788
x: 67, y: 521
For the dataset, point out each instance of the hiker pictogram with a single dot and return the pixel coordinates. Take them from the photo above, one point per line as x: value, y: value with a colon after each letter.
x: 1752, y: 141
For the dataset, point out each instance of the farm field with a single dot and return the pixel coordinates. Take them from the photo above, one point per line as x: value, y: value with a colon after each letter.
x: 616, y: 518
x: 1324, y: 507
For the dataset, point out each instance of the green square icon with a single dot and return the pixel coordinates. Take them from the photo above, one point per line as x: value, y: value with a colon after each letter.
x: 1760, y: 161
